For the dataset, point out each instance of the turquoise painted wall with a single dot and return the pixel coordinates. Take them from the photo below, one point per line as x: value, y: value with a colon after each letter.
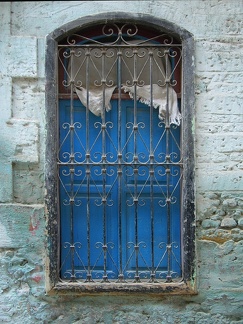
x: 217, y: 29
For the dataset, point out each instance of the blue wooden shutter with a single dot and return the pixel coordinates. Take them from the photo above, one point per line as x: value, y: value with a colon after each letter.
x: 83, y: 225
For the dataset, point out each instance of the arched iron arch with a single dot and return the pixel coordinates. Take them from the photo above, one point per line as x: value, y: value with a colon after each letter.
x: 188, y: 208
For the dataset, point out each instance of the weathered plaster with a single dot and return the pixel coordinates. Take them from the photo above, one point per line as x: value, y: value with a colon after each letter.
x: 217, y: 29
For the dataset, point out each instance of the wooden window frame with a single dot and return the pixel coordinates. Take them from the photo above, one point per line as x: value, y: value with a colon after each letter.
x: 53, y: 283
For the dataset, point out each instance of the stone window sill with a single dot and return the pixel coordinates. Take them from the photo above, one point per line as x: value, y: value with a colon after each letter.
x: 77, y: 288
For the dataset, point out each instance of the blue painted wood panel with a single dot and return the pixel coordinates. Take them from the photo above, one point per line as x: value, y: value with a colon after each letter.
x: 85, y: 221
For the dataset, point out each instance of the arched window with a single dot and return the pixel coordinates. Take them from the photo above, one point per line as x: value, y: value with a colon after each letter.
x: 119, y: 158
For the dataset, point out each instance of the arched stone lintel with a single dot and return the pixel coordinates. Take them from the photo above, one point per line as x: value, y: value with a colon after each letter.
x: 123, y: 17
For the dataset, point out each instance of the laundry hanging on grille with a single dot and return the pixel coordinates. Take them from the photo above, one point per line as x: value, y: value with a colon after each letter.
x: 97, y: 74
x: 95, y: 102
x: 160, y: 100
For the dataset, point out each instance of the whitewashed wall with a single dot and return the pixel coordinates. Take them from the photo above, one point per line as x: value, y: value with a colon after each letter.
x: 217, y: 26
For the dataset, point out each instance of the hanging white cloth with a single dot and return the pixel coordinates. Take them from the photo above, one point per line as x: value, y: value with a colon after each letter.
x: 95, y: 102
x: 95, y: 87
x: 159, y: 100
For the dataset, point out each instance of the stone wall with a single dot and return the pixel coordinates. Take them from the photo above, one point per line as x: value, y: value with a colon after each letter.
x: 217, y: 29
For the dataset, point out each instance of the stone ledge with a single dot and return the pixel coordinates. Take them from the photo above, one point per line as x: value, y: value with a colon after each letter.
x: 177, y: 288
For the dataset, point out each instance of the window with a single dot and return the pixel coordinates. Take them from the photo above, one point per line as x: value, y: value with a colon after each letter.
x: 120, y: 199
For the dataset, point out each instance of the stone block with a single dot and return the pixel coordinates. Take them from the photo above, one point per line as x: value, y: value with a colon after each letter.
x: 236, y: 156
x: 240, y: 222
x: 6, y: 180
x: 21, y: 226
x: 41, y: 47
x: 230, y: 202
x: 219, y: 109
x: 219, y: 83
x: 22, y: 57
x: 24, y: 136
x: 5, y: 17
x: 214, y: 144
x: 6, y: 93
x: 228, y: 222
x: 218, y: 181
x: 234, y: 25
x: 28, y: 176
x: 218, y: 56
x: 209, y: 223
x: 28, y: 99
x: 220, y: 264
x: 217, y: 128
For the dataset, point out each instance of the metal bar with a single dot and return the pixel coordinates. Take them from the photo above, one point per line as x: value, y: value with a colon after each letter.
x: 119, y: 170
x: 151, y: 170
x: 87, y: 130
x: 104, y: 198
x: 134, y: 45
x: 121, y: 164
x: 135, y: 170
x: 72, y: 174
x: 168, y: 201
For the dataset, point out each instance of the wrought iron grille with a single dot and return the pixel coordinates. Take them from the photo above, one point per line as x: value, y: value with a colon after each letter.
x: 119, y: 156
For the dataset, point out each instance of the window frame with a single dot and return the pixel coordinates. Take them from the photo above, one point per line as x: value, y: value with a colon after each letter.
x: 53, y: 283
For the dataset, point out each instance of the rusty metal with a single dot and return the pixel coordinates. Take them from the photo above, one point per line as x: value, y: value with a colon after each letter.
x: 118, y: 44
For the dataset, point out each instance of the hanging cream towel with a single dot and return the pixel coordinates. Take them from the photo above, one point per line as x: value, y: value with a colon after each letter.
x: 159, y: 100
x: 95, y: 102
